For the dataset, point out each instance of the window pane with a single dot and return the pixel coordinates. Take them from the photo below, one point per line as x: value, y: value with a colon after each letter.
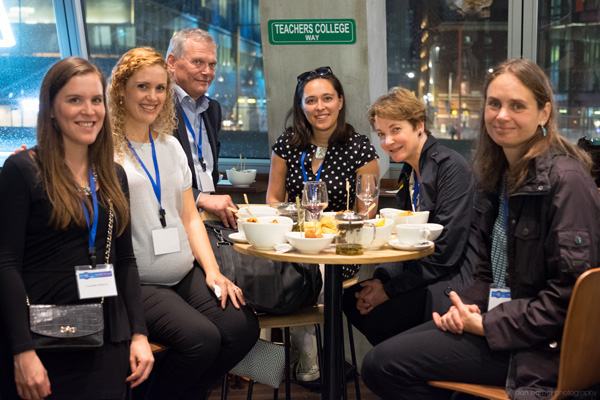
x: 441, y: 51
x: 115, y: 26
x: 28, y: 48
x: 569, y: 52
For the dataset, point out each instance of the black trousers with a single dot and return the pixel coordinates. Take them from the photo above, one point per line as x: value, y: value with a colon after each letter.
x: 204, y: 340
x: 400, y: 367
x: 389, y: 318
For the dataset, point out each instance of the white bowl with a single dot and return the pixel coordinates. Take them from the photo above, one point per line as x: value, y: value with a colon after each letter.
x: 418, y: 217
x: 264, y: 235
x: 257, y: 211
x: 241, y: 178
x: 309, y: 245
x: 412, y: 234
x: 382, y: 234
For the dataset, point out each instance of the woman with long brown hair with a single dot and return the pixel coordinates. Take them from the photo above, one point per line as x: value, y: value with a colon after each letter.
x: 538, y: 220
x: 55, y: 206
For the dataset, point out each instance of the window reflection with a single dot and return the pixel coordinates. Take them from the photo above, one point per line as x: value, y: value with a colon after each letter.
x: 441, y: 50
x: 23, y: 63
x: 569, y: 52
x: 115, y: 26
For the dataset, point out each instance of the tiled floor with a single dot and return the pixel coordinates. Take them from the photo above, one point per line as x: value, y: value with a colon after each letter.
x: 263, y: 392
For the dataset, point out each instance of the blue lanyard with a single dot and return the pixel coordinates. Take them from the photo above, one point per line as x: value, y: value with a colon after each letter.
x: 415, y: 198
x: 198, y: 142
x: 94, y: 228
x: 155, y: 185
x: 304, y: 169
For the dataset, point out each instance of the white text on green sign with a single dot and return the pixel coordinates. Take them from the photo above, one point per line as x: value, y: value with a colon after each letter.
x: 312, y: 31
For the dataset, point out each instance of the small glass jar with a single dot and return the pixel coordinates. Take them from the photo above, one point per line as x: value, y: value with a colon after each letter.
x: 350, y: 240
x: 289, y: 210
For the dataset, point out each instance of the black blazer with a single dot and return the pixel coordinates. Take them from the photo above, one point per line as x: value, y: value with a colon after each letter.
x: 212, y: 121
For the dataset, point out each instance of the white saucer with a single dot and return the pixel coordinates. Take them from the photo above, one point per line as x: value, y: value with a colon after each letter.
x: 421, y: 246
x: 238, y: 237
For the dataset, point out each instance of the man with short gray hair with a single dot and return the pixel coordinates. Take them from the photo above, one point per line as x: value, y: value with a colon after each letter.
x: 192, y: 61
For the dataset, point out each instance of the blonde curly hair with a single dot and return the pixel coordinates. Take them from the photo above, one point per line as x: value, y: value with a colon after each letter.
x: 131, y: 62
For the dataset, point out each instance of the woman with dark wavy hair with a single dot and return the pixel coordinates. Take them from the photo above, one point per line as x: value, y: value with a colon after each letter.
x: 538, y: 219
x: 54, y: 216
x: 320, y: 145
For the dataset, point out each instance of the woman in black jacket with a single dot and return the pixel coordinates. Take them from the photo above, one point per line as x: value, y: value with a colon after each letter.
x: 538, y: 214
x: 402, y: 295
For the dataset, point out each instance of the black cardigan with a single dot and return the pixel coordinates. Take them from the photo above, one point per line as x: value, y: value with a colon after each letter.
x: 39, y: 261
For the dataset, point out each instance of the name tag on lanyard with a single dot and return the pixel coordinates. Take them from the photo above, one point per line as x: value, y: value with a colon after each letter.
x: 165, y: 240
x: 206, y: 182
x: 95, y: 282
x: 498, y: 296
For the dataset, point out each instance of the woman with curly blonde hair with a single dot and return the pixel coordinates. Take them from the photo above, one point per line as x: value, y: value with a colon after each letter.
x: 131, y: 62
x: 183, y: 292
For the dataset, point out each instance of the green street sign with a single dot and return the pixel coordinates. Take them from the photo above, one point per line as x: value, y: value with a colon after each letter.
x: 312, y: 31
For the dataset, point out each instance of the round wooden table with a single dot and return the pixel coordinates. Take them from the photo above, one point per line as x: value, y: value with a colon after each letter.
x: 333, y: 362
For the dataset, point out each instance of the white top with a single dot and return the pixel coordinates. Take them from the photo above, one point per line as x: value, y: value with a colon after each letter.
x: 175, y: 178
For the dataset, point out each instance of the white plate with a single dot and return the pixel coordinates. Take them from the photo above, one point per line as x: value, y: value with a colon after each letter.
x: 238, y: 237
x: 421, y: 246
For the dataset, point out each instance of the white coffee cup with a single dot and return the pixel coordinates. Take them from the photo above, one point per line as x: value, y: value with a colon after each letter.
x: 413, y: 234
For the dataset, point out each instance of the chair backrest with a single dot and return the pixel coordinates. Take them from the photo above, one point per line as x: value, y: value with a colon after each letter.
x: 580, y: 354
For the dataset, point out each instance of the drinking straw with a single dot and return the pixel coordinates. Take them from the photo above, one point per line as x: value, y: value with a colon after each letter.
x: 300, y: 220
x: 371, y: 207
x: 347, y: 195
x: 248, y: 207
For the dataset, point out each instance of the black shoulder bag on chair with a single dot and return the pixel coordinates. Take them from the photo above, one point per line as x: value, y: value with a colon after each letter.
x: 272, y: 287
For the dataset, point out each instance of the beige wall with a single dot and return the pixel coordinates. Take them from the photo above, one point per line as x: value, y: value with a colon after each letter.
x: 361, y: 67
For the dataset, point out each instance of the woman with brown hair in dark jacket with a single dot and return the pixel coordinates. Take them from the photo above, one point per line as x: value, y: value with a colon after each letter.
x: 537, y: 213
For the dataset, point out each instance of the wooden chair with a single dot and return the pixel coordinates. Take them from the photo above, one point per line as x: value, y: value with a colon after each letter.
x: 157, y: 348
x: 579, y: 366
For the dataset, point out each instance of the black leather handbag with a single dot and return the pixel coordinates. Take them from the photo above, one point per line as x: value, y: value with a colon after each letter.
x: 272, y: 287
x: 76, y: 326
x: 70, y: 327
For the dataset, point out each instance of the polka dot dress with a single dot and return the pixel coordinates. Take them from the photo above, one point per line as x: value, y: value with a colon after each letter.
x: 340, y: 164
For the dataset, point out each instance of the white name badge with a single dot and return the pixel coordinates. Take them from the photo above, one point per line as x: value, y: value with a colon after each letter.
x: 95, y: 282
x: 498, y: 296
x: 165, y: 240
x: 208, y: 186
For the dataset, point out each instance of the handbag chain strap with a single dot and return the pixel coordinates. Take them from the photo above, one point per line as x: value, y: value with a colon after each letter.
x: 111, y: 218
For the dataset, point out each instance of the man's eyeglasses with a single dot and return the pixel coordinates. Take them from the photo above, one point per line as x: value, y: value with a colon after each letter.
x: 321, y: 71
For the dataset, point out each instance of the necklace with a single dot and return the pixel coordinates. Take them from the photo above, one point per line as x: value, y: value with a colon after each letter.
x: 86, y: 190
x: 320, y: 152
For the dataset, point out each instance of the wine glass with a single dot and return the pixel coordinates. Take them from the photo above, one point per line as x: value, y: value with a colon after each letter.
x: 314, y: 198
x: 367, y: 188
